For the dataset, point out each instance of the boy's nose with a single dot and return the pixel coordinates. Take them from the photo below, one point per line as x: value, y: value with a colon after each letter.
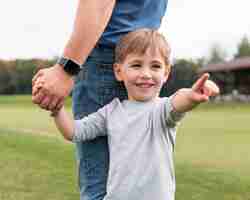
x: 145, y: 73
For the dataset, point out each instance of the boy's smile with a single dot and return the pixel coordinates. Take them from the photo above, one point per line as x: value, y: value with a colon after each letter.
x: 143, y: 75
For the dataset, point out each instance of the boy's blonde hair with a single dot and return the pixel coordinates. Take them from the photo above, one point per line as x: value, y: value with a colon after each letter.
x: 139, y: 41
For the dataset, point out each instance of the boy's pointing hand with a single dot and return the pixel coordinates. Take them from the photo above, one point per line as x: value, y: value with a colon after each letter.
x: 186, y: 99
x: 204, y: 88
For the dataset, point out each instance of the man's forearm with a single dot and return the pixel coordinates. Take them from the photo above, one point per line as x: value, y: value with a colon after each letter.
x: 91, y: 19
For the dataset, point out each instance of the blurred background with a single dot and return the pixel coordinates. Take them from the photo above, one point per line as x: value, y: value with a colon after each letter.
x: 212, y: 149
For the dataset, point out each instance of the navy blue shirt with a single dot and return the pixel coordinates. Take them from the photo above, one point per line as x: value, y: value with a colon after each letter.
x: 129, y: 15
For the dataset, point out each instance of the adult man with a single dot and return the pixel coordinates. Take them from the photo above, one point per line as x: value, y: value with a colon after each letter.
x: 97, y: 28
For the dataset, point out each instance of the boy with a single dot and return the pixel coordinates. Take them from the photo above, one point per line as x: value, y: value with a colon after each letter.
x: 141, y: 130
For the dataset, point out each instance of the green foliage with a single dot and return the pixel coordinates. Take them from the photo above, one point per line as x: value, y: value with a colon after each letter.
x: 217, y: 55
x: 6, y: 84
x: 16, y: 76
x: 243, y: 48
x: 226, y: 80
x: 183, y: 74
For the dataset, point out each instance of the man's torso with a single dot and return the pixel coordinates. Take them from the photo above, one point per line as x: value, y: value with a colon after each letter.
x: 129, y: 15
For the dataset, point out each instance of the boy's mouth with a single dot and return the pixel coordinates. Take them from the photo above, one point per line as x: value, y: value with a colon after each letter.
x: 145, y: 85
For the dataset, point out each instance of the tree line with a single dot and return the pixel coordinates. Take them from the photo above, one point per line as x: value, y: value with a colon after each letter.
x: 16, y: 75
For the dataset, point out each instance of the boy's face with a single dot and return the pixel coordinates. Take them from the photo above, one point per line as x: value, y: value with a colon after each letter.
x: 143, y: 75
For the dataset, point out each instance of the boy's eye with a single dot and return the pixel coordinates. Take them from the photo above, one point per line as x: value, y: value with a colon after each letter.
x: 135, y: 65
x: 156, y: 66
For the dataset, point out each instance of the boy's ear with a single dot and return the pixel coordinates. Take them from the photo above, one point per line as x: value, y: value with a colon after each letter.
x: 117, y: 71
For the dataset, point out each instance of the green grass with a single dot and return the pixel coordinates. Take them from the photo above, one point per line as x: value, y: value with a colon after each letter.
x: 20, y: 115
x: 212, y: 154
x: 20, y: 100
x: 35, y: 167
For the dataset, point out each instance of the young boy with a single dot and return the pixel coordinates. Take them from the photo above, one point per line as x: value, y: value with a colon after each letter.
x: 141, y: 131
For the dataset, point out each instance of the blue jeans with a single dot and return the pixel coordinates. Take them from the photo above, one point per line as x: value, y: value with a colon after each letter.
x: 94, y: 87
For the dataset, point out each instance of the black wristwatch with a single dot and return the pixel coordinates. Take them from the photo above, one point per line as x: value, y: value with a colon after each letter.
x: 69, y: 66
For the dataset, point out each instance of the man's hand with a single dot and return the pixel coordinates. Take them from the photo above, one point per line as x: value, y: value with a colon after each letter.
x: 187, y: 98
x: 50, y: 86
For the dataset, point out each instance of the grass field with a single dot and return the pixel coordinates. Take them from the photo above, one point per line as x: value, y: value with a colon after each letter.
x: 212, y: 154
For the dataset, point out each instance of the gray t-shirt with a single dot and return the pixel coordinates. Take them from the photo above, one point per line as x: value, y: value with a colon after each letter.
x: 141, y: 138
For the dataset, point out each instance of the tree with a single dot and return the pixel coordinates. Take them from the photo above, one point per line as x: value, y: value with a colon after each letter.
x: 16, y: 75
x: 6, y: 76
x: 183, y: 74
x: 217, y: 55
x: 243, y: 48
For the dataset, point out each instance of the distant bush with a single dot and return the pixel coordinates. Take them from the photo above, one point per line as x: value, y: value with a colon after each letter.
x: 183, y: 74
x: 16, y: 75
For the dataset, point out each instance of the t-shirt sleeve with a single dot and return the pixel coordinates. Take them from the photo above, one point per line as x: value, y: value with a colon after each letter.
x: 91, y: 126
x: 169, y: 114
x: 167, y: 119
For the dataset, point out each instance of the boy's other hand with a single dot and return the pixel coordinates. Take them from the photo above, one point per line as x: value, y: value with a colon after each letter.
x: 55, y: 87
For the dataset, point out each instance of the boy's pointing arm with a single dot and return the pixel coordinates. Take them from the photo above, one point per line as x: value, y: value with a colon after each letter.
x: 187, y: 98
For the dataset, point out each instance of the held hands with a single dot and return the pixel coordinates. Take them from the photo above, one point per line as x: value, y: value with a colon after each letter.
x: 188, y: 98
x: 50, y: 86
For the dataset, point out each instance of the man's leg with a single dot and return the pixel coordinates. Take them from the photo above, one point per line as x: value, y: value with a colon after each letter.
x: 92, y: 158
x: 94, y: 87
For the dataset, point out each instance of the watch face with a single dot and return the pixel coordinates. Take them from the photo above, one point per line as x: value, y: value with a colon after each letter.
x: 69, y: 66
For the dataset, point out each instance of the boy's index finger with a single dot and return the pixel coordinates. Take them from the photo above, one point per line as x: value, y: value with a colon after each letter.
x: 200, y: 82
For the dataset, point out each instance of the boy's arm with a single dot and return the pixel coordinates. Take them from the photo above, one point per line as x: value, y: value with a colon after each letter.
x: 87, y: 128
x: 187, y: 98
x: 64, y: 123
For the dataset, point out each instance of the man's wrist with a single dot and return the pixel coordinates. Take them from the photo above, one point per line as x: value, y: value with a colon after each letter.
x: 69, y: 66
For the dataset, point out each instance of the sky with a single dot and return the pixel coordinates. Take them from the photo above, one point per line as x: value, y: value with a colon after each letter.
x: 40, y: 29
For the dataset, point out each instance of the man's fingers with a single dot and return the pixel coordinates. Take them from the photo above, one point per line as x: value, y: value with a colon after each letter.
x: 37, y: 75
x: 37, y: 87
x: 60, y: 104
x: 38, y: 98
x: 198, y: 85
x: 53, y: 103
x: 56, y: 109
x: 45, y: 102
